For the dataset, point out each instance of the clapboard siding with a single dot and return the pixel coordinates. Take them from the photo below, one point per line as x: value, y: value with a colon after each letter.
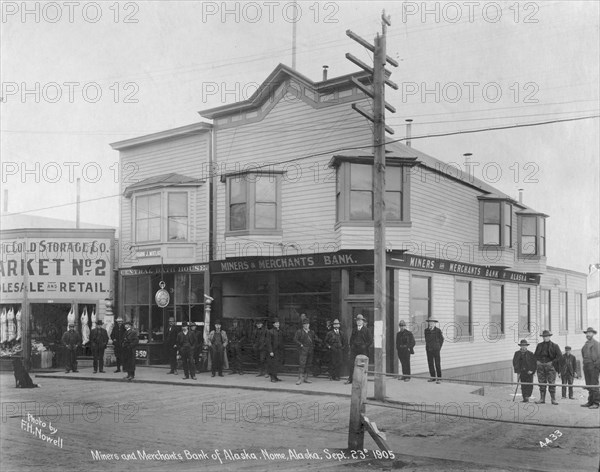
x: 187, y: 155
x: 292, y: 130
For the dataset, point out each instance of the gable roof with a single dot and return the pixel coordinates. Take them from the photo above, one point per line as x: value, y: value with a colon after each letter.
x: 279, y: 75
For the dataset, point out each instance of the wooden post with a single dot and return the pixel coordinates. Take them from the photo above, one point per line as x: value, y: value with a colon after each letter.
x: 356, y: 431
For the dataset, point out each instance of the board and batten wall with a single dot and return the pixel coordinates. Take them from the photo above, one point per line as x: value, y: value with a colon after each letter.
x: 187, y: 155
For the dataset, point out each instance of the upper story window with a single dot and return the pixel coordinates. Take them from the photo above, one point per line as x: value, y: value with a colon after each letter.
x: 161, y: 215
x: 354, y: 191
x: 496, y: 223
x: 532, y: 235
x: 254, y: 202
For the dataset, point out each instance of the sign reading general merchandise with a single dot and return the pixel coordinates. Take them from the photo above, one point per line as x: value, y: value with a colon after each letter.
x: 61, y: 268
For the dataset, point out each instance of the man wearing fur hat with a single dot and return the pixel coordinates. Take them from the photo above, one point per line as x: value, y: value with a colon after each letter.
x: 525, y: 365
x: 591, y: 368
x: 547, y: 355
x: 98, y: 340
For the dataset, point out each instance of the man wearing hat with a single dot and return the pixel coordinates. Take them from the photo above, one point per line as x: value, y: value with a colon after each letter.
x: 306, y: 340
x: 98, y: 340
x: 217, y: 342
x: 117, y: 335
x: 360, y: 343
x: 405, y: 344
x: 260, y: 347
x: 170, y: 344
x: 234, y: 347
x: 275, y: 348
x: 186, y: 343
x: 568, y: 370
x: 199, y: 335
x: 524, y: 364
x: 434, y: 339
x: 591, y: 367
x: 71, y: 340
x: 547, y: 355
x: 130, y: 343
x: 336, y: 344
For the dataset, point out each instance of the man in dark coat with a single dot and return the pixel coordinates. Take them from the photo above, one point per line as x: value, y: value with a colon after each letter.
x: 260, y: 347
x: 236, y: 338
x: 98, y: 341
x: 524, y: 364
x: 199, y: 335
x: 275, y: 348
x: 170, y: 343
x: 336, y: 344
x: 590, y: 352
x: 130, y: 343
x: 217, y: 342
x: 547, y: 355
x: 568, y: 370
x: 405, y: 345
x: 360, y: 343
x: 117, y: 335
x: 186, y: 343
x: 71, y: 340
x: 433, y: 345
x: 306, y: 340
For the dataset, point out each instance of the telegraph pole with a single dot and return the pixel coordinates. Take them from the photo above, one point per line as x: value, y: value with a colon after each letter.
x: 377, y: 93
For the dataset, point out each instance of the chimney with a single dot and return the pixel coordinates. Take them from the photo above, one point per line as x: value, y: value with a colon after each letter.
x: 408, y: 131
x: 325, y: 72
x: 520, y: 195
x: 467, y: 156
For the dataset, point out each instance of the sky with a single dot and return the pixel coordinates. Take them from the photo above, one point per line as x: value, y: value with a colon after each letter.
x: 77, y: 76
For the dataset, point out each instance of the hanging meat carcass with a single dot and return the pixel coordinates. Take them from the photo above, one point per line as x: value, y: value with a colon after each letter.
x: 85, y: 329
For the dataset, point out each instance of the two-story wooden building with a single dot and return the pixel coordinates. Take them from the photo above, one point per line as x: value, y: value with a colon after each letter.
x: 280, y: 190
x: 164, y: 215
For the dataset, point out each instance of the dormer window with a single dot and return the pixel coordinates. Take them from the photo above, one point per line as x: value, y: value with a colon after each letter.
x: 495, y: 223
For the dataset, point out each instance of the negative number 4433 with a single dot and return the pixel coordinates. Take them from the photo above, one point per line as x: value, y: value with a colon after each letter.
x: 553, y: 437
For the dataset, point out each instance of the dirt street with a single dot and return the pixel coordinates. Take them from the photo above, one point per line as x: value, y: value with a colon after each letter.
x: 92, y: 425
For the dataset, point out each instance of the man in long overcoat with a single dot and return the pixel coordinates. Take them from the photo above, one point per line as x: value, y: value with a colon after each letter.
x: 71, y: 339
x: 405, y: 346
x: 236, y: 337
x: 260, y: 347
x: 170, y: 344
x: 434, y: 339
x: 360, y: 343
x: 305, y: 340
x: 98, y: 341
x: 336, y: 344
x: 186, y: 343
x: 275, y: 350
x: 117, y: 335
x: 568, y: 371
x: 524, y: 364
x: 130, y: 343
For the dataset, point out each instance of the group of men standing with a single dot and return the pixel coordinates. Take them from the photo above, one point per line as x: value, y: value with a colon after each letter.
x: 548, y: 361
x: 405, y: 344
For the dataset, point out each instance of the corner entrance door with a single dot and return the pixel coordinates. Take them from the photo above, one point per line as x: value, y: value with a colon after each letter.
x: 367, y: 309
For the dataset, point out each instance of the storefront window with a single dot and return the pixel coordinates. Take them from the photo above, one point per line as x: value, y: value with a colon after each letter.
x: 462, y: 309
x: 362, y: 282
x: 420, y: 305
x: 524, y: 310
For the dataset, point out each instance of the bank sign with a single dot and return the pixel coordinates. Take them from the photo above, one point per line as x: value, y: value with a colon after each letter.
x: 57, y: 268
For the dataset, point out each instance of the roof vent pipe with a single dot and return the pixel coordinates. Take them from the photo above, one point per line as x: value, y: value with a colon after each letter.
x: 520, y: 195
x: 325, y: 72
x: 408, y: 131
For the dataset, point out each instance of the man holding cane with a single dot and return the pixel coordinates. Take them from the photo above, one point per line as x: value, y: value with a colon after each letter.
x: 525, y: 365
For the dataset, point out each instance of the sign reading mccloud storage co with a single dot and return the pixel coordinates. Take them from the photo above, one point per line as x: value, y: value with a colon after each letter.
x: 55, y: 267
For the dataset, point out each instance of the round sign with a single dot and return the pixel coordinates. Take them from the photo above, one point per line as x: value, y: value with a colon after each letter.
x: 162, y: 297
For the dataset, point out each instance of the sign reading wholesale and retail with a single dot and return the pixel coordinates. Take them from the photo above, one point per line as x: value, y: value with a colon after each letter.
x: 395, y: 259
x: 55, y: 267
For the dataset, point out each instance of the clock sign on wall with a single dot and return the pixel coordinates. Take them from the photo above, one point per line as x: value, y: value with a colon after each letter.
x: 162, y: 297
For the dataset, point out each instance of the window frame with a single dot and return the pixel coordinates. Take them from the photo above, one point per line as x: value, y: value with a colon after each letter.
x: 527, y: 304
x: 579, y: 311
x: 343, y: 191
x: 164, y: 216
x: 539, y: 236
x: 502, y: 304
x: 251, y: 178
x: 505, y: 220
x: 546, y: 307
x: 419, y: 326
x: 563, y: 312
x: 469, y: 336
